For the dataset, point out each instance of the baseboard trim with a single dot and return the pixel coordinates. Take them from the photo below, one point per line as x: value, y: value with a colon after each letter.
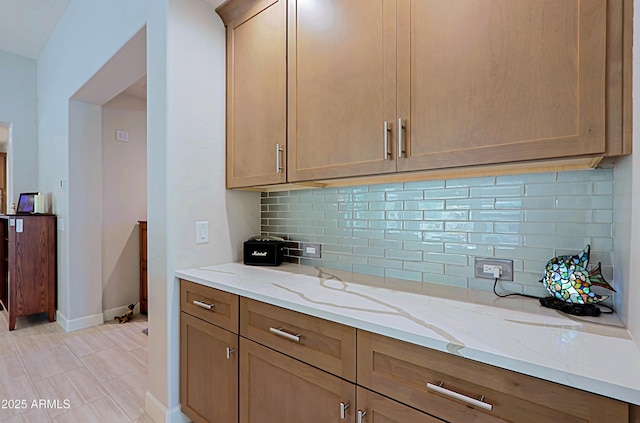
x: 161, y: 414
x: 70, y: 325
x: 118, y: 311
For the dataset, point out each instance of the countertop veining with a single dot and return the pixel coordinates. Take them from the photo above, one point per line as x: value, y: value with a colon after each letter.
x: 594, y: 354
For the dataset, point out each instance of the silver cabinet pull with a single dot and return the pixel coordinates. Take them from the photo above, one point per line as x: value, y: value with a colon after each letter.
x: 278, y: 158
x: 343, y: 409
x: 282, y: 333
x: 400, y: 138
x: 387, y: 130
x: 361, y: 415
x: 204, y: 305
x: 229, y: 352
x: 471, y: 401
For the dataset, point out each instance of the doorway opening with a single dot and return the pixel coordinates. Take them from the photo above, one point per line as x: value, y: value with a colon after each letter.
x: 107, y: 169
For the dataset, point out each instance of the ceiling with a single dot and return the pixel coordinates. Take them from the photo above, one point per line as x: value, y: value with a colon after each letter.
x: 25, y: 25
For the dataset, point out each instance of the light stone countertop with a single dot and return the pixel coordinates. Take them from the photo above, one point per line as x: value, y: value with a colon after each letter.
x: 593, y: 354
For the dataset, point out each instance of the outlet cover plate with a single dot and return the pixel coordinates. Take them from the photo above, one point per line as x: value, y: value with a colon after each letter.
x: 506, y: 264
x: 310, y: 250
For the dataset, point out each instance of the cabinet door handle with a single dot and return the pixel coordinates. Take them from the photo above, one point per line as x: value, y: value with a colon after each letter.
x: 278, y: 158
x: 471, y: 401
x: 400, y: 138
x: 387, y: 130
x: 229, y: 352
x: 204, y: 305
x: 282, y: 333
x: 343, y: 409
x: 361, y: 415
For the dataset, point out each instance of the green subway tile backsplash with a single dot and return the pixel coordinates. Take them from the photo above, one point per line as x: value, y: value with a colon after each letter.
x: 431, y: 230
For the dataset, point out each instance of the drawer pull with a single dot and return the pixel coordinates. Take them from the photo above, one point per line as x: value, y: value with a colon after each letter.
x: 343, y: 409
x: 203, y: 305
x: 282, y: 333
x: 472, y: 401
x: 361, y: 415
x: 229, y: 352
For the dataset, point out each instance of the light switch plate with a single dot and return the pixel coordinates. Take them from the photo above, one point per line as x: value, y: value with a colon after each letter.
x: 202, y: 232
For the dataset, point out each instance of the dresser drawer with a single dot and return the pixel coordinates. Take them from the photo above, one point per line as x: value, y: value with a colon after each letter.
x: 209, y: 304
x: 327, y: 345
x: 414, y: 375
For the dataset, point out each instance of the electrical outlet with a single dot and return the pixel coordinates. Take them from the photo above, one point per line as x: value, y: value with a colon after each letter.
x: 484, y: 268
x: 310, y: 250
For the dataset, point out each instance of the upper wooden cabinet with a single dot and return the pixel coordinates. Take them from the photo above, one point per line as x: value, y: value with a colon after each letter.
x: 342, y: 87
x: 256, y: 91
x: 495, y: 81
x: 382, y: 86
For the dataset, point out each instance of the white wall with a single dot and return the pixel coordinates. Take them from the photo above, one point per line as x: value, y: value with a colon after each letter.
x: 87, y: 36
x: 79, y: 299
x: 124, y: 199
x: 18, y: 107
x: 186, y: 157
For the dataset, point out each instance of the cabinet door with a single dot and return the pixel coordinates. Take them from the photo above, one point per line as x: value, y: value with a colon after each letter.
x: 277, y: 388
x: 380, y: 409
x: 256, y: 95
x: 502, y: 80
x: 341, y: 88
x: 208, y: 373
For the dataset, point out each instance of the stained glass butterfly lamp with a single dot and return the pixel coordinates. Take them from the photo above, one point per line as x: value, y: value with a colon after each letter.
x: 570, y: 285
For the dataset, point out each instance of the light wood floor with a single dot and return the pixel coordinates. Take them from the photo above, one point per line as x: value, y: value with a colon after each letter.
x: 93, y: 375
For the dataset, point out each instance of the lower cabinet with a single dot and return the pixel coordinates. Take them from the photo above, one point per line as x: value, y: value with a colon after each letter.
x: 250, y: 362
x: 457, y: 389
x: 208, y: 371
x: 280, y: 389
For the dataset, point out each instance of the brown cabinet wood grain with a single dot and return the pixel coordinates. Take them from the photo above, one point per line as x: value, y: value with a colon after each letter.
x: 327, y: 345
x: 208, y: 371
x: 256, y: 91
x: 28, y: 267
x: 211, y: 305
x: 501, y: 81
x: 304, y: 371
x: 402, y: 371
x: 342, y: 88
x: 278, y: 388
x: 399, y: 87
x: 208, y: 353
x: 142, y: 233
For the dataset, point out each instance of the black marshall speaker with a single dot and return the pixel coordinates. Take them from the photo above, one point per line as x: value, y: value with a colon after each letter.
x: 263, y: 251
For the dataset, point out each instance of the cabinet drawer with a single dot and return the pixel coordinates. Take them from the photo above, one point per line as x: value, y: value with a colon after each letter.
x: 327, y: 345
x: 209, y: 304
x: 402, y: 371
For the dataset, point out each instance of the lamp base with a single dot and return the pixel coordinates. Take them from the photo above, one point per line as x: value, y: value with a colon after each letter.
x: 570, y: 308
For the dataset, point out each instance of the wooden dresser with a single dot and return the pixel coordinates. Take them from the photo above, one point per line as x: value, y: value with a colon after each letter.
x: 28, y: 265
x: 143, y: 266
